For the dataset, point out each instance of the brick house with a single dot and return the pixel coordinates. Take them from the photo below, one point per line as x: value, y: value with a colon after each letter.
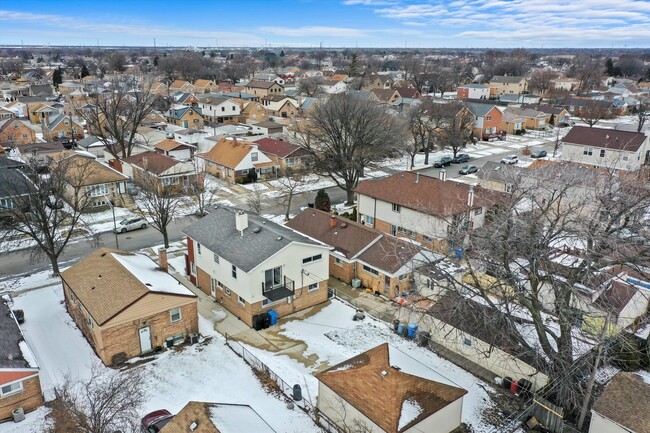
x: 423, y: 208
x: 233, y: 159
x: 262, y: 88
x: 217, y: 418
x: 280, y: 105
x: 126, y: 305
x: 15, y: 132
x: 287, y: 155
x: 517, y: 118
x: 385, y: 390
x: 184, y: 116
x: 473, y: 91
x: 379, y: 261
x: 489, y: 119
x: 175, y: 149
x: 622, y: 407
x: 251, y: 265
x: 181, y: 86
x: 169, y: 174
x: 557, y: 115
x: 20, y: 384
x: 504, y: 84
x: 253, y: 110
x: 62, y: 126
x: 205, y: 86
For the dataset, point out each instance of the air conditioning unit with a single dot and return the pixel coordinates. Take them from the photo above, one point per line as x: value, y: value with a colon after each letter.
x: 356, y: 283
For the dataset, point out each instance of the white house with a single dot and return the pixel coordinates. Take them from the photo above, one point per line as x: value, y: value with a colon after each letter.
x: 473, y: 91
x: 218, y: 109
x: 252, y: 265
x: 384, y: 390
x: 609, y: 148
x: 623, y: 406
x: 332, y: 87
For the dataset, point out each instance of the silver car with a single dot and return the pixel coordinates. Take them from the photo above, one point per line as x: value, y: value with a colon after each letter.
x: 510, y: 159
x: 130, y: 224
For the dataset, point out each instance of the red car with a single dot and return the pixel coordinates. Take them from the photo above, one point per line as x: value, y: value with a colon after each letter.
x: 154, y: 422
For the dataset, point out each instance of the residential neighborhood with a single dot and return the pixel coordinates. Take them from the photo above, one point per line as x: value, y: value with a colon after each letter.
x: 294, y: 224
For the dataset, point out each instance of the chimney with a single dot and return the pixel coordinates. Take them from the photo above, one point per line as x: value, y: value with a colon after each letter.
x: 417, y: 177
x: 162, y: 259
x: 333, y: 221
x: 442, y: 175
x: 241, y: 222
x: 470, y: 196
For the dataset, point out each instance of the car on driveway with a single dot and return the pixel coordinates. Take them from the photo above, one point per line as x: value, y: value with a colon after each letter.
x: 442, y: 162
x: 538, y: 153
x: 130, y: 224
x: 460, y: 158
x: 468, y: 169
x: 510, y: 159
x: 154, y: 422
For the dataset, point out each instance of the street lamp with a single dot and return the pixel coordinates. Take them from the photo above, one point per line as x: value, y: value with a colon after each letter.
x: 117, y: 244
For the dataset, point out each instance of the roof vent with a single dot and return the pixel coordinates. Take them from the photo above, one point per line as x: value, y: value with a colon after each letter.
x: 194, y: 425
x: 256, y: 230
x: 10, y: 357
x: 103, y: 254
x: 395, y: 367
x: 344, y: 225
x: 384, y: 373
x: 148, y: 284
x: 279, y: 238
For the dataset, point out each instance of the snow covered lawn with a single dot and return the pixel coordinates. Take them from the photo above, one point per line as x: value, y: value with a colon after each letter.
x: 331, y: 336
x: 205, y: 372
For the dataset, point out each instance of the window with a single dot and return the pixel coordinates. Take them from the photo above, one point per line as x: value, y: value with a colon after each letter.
x: 241, y: 300
x: 397, y: 208
x: 198, y: 248
x: 97, y: 190
x: 370, y: 220
x: 254, y: 156
x: 12, y: 388
x: 393, y: 230
x: 467, y: 342
x: 588, y: 151
x: 292, y: 162
x: 488, y: 118
x: 401, y: 230
x: 90, y: 322
x: 311, y: 259
x: 625, y: 157
x: 370, y: 270
x: 233, y: 108
x: 223, y: 108
x: 312, y: 286
x: 234, y: 271
x: 216, y: 257
x: 175, y: 314
x: 244, y: 171
x: 193, y: 268
x: 403, y: 277
x: 478, y: 211
x: 228, y: 292
x: 426, y: 238
x: 213, y: 285
x: 338, y: 261
x: 7, y: 203
x: 602, y: 153
x: 272, y: 278
x: 168, y: 181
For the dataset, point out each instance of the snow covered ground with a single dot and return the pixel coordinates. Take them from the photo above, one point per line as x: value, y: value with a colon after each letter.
x: 205, y: 372
x: 331, y: 336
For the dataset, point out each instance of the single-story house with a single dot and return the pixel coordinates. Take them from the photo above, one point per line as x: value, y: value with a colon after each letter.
x: 202, y: 417
x: 169, y: 174
x: 287, y: 155
x: 267, y: 128
x: 623, y: 406
x: 233, y: 159
x: 175, y: 149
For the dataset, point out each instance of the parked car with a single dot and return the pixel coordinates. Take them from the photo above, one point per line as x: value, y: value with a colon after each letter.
x: 130, y: 224
x: 510, y: 159
x: 460, y: 158
x: 154, y: 422
x: 468, y: 169
x: 538, y: 153
x: 442, y: 162
x: 132, y: 189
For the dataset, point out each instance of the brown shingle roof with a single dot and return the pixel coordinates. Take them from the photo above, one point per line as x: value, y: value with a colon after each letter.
x: 209, y: 418
x: 625, y: 401
x: 427, y: 194
x: 93, y: 172
x: 258, y: 84
x: 380, y: 397
x: 279, y: 148
x: 169, y: 144
x: 607, y: 138
x: 228, y: 152
x: 153, y: 162
x: 389, y: 254
x: 178, y: 84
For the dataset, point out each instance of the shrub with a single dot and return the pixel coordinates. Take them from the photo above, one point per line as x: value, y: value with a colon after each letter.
x: 626, y: 353
x: 322, y: 201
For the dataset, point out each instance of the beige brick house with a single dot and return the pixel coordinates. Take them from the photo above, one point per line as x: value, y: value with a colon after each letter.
x: 261, y: 88
x: 14, y: 132
x: 202, y: 417
x: 126, y: 305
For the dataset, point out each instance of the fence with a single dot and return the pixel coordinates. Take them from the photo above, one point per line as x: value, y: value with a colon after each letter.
x: 326, y: 424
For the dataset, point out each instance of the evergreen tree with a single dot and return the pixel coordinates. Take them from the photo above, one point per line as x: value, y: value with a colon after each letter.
x: 322, y: 201
x: 84, y: 71
x: 609, y: 67
x: 353, y: 70
x: 282, y: 53
x: 57, y: 77
x: 155, y: 61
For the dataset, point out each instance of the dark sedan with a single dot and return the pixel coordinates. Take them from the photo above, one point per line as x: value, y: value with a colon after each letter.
x: 538, y: 154
x: 442, y: 162
x: 460, y: 158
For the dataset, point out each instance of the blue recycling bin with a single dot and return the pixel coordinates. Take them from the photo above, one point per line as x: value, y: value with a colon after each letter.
x: 400, y: 329
x: 273, y: 316
x: 459, y: 253
x: 412, y: 330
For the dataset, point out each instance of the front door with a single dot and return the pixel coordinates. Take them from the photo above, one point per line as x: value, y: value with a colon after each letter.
x: 145, y: 339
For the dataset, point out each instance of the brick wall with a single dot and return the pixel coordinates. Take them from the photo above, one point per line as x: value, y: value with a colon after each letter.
x: 126, y: 338
x: 342, y: 271
x: 29, y: 398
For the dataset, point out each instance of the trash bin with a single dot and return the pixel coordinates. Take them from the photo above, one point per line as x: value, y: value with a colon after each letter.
x: 459, y: 253
x: 18, y: 414
x: 395, y: 325
x: 401, y: 329
x: 424, y: 338
x: 411, y: 330
x: 506, y: 382
x: 297, y: 393
x: 169, y: 342
x: 273, y: 317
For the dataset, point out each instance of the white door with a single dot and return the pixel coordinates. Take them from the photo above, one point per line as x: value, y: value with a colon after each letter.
x: 145, y: 339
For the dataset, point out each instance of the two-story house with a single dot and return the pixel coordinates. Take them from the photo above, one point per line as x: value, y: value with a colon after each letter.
x: 175, y: 149
x: 205, y: 86
x: 473, y: 91
x: 280, y: 105
x: 186, y: 117
x: 260, y: 88
x: 423, y: 208
x: 181, y: 86
x: 504, y: 84
x: 489, y: 119
x: 233, y: 159
x: 218, y: 109
x: 252, y: 265
x: 609, y: 148
x: 15, y: 132
x: 62, y: 126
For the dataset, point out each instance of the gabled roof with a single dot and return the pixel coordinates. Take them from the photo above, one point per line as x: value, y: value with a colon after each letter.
x: 108, y: 281
x: 505, y: 79
x: 178, y: 112
x: 169, y: 144
x: 259, y: 84
x: 548, y: 109
x: 479, y: 109
x: 426, y: 194
x: 407, y: 92
x: 279, y: 148
x: 384, y: 383
x: 153, y: 162
x: 213, y: 98
x: 615, y: 297
x: 228, y: 152
x: 605, y: 138
x: 218, y: 418
x: 5, y: 123
x: 203, y: 83
x: 97, y: 172
x: 15, y: 351
x: 625, y: 401
x: 178, y: 84
x: 268, y: 124
x: 14, y: 182
x: 261, y: 240
x: 383, y: 94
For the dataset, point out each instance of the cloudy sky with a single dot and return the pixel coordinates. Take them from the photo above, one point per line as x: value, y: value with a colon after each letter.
x: 334, y: 23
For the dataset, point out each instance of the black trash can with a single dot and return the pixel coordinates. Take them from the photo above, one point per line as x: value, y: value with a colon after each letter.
x: 423, y: 338
x: 395, y: 325
x: 297, y: 392
x: 506, y: 382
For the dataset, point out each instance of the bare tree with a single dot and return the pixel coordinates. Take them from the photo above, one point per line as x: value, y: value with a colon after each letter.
x: 114, y: 118
x: 541, y: 80
x: 254, y: 199
x: 291, y: 182
x: 456, y: 131
x: 593, y: 112
x: 310, y: 86
x: 439, y: 79
x: 642, y: 113
x: 34, y: 211
x: 348, y: 133
x: 106, y: 402
x: 199, y: 190
x: 588, y: 71
x: 158, y: 203
x: 115, y: 61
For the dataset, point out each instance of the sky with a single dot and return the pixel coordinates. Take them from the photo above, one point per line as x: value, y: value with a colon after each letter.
x: 332, y: 23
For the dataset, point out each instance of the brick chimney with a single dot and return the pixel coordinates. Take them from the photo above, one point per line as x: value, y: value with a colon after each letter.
x: 333, y: 221
x: 162, y: 259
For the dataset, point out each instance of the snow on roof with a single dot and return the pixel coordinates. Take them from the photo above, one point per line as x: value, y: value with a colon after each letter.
x: 148, y: 273
x: 233, y: 418
x: 645, y: 375
x: 408, y: 365
x: 28, y: 355
x: 567, y: 260
x: 410, y: 410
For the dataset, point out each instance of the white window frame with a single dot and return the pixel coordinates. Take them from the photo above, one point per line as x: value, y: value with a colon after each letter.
x: 15, y: 388
x: 98, y: 190
x: 228, y: 292
x: 397, y: 208
x: 588, y: 151
x: 171, y: 315
x: 312, y: 259
x: 241, y: 301
x: 312, y: 287
x: 370, y: 219
x: 254, y: 156
x: 234, y: 271
x: 215, y: 257
x: 198, y: 248
x: 478, y: 211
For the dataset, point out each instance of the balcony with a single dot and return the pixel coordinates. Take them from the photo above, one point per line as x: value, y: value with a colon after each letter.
x: 275, y: 292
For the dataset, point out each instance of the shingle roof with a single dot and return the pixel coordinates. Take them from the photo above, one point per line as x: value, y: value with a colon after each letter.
x: 625, y: 401
x: 228, y: 152
x: 269, y: 124
x: 153, y: 162
x: 218, y: 418
x: 505, y: 79
x: 426, y: 194
x: 10, y: 341
x: 259, y: 84
x: 279, y: 148
x: 548, y: 109
x: 169, y: 144
x: 607, y: 138
x: 389, y: 254
x: 371, y: 384
x: 14, y: 183
x: 218, y: 233
x: 615, y: 297
x: 479, y: 109
x: 105, y: 286
x: 95, y: 174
